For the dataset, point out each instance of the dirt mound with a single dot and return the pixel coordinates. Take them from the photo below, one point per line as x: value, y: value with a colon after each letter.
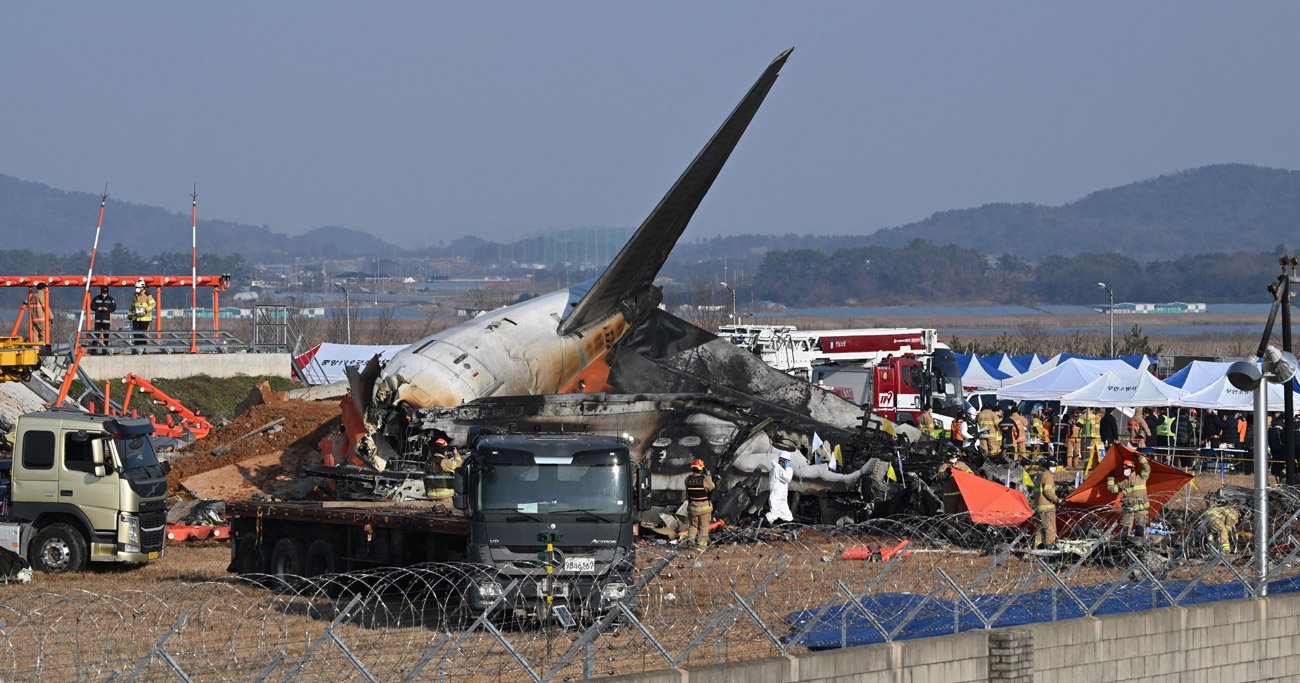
x: 305, y: 424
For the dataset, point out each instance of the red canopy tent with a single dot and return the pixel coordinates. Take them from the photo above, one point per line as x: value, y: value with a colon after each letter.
x: 1092, y: 495
x: 990, y: 502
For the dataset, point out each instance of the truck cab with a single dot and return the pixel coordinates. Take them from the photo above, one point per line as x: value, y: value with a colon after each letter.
x: 556, y: 511
x: 83, y: 488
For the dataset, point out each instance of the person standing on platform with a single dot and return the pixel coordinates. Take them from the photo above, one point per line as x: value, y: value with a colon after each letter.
x: 103, y: 306
x: 142, y: 312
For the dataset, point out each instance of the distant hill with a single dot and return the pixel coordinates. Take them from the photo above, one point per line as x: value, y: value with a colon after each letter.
x: 1220, y: 208
x: 31, y: 213
x: 1225, y: 207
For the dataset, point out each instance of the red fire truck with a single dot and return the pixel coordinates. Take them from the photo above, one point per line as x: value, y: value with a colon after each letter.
x: 894, y: 371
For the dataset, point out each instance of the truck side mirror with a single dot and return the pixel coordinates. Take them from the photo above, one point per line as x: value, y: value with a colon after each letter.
x: 97, y: 455
x: 642, y: 488
x: 458, y: 488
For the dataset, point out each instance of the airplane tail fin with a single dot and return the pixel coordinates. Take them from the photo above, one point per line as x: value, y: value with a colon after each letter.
x: 636, y: 266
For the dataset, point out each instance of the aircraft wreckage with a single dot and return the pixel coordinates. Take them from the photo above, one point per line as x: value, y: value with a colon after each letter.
x: 602, y: 357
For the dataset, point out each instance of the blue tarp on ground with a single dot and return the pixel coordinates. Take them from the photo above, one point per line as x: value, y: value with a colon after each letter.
x: 844, y: 626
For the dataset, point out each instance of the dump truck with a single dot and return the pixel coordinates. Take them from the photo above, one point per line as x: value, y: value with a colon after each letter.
x: 82, y: 488
x: 555, y: 511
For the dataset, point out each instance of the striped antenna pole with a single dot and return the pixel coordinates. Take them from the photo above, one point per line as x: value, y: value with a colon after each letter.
x: 194, y: 269
x: 77, y: 350
x: 85, y: 299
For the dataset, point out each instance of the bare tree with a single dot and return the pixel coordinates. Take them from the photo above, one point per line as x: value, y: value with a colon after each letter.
x: 380, y: 329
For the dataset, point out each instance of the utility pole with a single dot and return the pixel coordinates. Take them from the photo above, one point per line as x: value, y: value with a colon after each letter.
x: 1111, y: 294
x: 347, y: 308
x: 1288, y: 394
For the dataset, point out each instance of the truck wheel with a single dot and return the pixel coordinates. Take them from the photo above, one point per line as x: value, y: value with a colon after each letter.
x: 287, y: 557
x: 323, y: 557
x: 58, y: 548
x: 249, y: 557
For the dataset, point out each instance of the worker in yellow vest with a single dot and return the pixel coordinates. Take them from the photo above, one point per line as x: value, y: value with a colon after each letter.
x: 1091, y: 434
x: 141, y: 313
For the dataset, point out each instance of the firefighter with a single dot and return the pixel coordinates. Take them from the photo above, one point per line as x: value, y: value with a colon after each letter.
x: 1223, y: 520
x: 987, y: 422
x: 951, y: 494
x: 1138, y: 431
x: 1073, y: 439
x: 699, y: 505
x: 40, y: 315
x: 1022, y: 432
x: 141, y: 314
x: 1038, y: 434
x: 438, y: 471
x: 1009, y: 431
x: 925, y: 423
x: 1045, y: 502
x: 1135, y: 503
x: 103, y: 306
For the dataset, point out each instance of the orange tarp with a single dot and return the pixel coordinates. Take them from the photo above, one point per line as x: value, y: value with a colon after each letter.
x: 990, y: 502
x: 1164, y: 483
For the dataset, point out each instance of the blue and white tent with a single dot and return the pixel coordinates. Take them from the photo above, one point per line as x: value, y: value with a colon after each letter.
x: 1027, y: 361
x: 1198, y: 374
x: 976, y: 373
x: 1221, y: 395
x: 1139, y: 360
x: 1069, y: 376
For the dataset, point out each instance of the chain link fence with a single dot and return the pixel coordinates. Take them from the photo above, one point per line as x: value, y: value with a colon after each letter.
x: 754, y: 593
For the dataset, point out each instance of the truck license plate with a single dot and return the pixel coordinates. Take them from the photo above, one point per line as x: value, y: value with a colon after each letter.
x: 579, y: 564
x: 154, y: 555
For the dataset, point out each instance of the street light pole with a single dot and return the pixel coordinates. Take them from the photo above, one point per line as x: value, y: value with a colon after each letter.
x: 734, y: 319
x: 347, y: 308
x: 1111, y: 294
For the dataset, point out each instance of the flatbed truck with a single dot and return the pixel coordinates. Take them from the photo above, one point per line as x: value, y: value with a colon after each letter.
x: 554, y: 511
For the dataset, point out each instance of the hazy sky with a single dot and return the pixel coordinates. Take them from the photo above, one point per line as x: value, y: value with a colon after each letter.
x: 425, y: 122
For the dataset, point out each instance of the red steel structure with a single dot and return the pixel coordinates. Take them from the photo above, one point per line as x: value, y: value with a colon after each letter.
x: 218, y: 283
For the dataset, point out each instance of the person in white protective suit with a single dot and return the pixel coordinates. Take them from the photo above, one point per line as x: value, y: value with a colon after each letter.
x: 778, y: 483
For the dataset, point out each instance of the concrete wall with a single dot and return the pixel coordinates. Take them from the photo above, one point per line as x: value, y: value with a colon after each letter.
x: 1218, y: 642
x: 180, y: 365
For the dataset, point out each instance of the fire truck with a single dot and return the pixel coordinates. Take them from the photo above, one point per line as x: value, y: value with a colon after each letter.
x: 893, y: 371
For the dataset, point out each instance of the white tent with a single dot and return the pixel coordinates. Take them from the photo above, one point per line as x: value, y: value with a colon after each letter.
x: 1198, y: 374
x: 1004, y: 364
x: 1115, y: 390
x: 1221, y: 395
x: 1068, y: 376
x: 977, y: 374
x: 1060, y: 359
